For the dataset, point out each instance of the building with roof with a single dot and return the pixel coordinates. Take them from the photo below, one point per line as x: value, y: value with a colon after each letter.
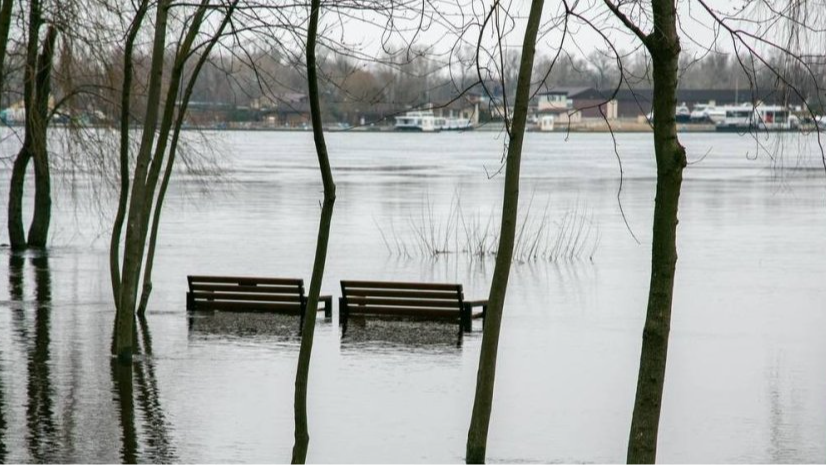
x: 583, y: 103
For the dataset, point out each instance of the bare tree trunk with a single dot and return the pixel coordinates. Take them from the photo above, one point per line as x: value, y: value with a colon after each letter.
x: 173, y: 149
x: 483, y: 401
x: 17, y: 235
x: 133, y: 247
x: 39, y: 227
x: 302, y: 434
x: 5, y: 26
x: 126, y: 97
x: 664, y: 46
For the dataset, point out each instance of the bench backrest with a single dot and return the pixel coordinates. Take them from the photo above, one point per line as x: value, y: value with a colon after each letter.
x: 246, y: 293
x: 386, y: 297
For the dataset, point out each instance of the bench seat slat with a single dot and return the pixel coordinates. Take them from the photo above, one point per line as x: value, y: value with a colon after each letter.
x: 452, y: 294
x: 205, y: 295
x: 245, y: 280
x: 399, y: 285
x: 404, y: 311
x: 236, y: 288
x: 248, y: 306
x: 371, y: 302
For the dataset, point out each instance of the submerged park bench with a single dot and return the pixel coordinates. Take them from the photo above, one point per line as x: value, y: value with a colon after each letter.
x: 251, y: 294
x: 421, y: 300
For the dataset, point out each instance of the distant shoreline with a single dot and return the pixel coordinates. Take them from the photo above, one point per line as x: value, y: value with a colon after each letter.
x: 618, y: 126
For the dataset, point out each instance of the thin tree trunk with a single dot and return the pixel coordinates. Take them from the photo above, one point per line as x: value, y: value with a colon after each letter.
x: 17, y: 234
x: 39, y: 227
x: 302, y: 434
x: 133, y: 247
x: 125, y: 118
x: 664, y: 46
x: 173, y: 148
x: 483, y: 401
x: 5, y: 27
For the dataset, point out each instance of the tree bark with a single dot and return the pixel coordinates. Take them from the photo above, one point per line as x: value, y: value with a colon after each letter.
x: 302, y: 435
x: 133, y: 246
x: 483, y: 401
x: 664, y: 46
x: 17, y: 235
x: 173, y: 149
x: 5, y: 27
x: 125, y: 118
x: 39, y: 227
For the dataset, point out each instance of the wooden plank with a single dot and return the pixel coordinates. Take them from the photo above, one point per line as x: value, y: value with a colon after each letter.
x: 369, y: 301
x: 235, y: 288
x: 201, y: 295
x: 248, y: 306
x: 400, y: 285
x: 246, y: 280
x: 403, y: 311
x: 452, y: 294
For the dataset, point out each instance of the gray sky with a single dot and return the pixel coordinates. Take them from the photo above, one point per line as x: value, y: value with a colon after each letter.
x: 445, y: 18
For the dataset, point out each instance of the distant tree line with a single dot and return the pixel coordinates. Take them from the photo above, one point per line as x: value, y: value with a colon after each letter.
x: 267, y: 77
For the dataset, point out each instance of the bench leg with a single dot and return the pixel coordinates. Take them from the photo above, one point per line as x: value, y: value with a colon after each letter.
x: 328, y: 306
x: 190, y: 301
x: 343, y: 315
x: 465, y: 320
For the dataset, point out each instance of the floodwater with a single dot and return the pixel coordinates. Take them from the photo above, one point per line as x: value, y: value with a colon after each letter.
x: 746, y: 377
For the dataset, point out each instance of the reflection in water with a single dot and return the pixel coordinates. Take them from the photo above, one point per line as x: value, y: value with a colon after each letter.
x: 783, y: 427
x: 244, y: 324
x: 404, y: 333
x: 140, y: 376
x: 122, y: 381
x: 16, y: 262
x: 2, y: 418
x: 158, y: 446
x: 40, y: 408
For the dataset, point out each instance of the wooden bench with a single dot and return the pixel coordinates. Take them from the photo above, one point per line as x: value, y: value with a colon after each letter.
x: 425, y: 300
x: 251, y: 294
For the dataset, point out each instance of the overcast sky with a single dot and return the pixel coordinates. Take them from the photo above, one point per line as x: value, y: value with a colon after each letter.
x: 443, y: 20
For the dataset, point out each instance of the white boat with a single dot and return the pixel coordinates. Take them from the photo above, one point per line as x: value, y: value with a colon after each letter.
x: 455, y: 124
x: 705, y: 113
x: 682, y: 114
x: 546, y: 123
x: 418, y: 121
x: 762, y: 118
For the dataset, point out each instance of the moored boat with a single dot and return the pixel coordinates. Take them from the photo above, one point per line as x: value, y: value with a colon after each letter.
x: 744, y: 118
x: 417, y: 121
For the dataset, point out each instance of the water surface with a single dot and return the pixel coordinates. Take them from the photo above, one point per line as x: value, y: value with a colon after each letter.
x: 745, y: 379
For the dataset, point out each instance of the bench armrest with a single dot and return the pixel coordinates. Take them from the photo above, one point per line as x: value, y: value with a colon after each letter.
x: 328, y: 305
x: 469, y: 304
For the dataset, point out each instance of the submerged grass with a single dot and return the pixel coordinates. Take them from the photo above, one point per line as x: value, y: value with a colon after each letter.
x: 574, y: 236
